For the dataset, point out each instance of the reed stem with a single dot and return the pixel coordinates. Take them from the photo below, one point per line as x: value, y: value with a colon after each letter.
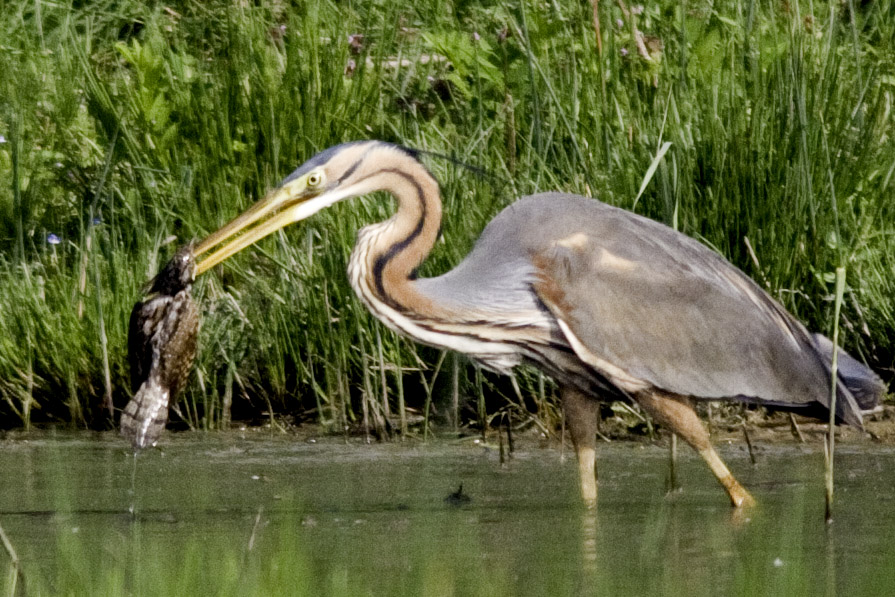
x: 830, y: 445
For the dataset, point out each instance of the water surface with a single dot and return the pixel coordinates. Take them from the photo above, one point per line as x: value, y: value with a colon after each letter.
x: 267, y: 515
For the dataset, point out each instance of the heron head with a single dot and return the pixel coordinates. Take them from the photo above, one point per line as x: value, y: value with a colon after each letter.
x: 337, y: 173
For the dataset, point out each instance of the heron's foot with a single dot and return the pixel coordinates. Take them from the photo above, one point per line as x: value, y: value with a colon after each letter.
x: 739, y: 497
x: 589, y: 500
x: 673, y: 493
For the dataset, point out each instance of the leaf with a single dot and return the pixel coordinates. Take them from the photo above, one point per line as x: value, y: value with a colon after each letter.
x: 651, y: 171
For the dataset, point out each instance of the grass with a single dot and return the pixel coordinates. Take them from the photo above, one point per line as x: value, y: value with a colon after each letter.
x: 127, y: 123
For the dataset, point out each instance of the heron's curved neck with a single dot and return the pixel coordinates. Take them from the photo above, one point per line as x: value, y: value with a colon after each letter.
x: 387, y: 254
x: 382, y: 265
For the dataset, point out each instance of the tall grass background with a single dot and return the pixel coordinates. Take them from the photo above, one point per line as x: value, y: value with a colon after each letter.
x: 126, y: 124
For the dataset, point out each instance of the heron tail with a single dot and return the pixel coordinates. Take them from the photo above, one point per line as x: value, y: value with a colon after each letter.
x: 865, y: 385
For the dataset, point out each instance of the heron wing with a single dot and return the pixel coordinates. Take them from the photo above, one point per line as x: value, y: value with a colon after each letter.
x: 865, y: 385
x: 645, y: 304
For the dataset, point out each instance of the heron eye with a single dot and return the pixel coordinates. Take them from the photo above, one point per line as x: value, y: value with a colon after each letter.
x: 314, y: 179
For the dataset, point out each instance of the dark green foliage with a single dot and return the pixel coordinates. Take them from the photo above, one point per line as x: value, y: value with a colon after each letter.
x: 127, y: 123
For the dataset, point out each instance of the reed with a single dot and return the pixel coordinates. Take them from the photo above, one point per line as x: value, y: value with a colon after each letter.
x: 830, y: 443
x: 126, y: 124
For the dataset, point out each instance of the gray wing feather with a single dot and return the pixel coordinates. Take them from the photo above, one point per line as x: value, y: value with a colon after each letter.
x: 662, y: 307
x: 492, y: 279
x: 865, y: 385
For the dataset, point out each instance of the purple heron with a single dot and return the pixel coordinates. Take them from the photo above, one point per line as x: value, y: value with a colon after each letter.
x: 610, y: 304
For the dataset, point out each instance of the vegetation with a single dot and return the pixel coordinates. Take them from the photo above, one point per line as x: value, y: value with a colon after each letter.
x: 125, y: 124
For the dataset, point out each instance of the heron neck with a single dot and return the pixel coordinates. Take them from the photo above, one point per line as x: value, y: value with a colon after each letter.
x: 386, y: 256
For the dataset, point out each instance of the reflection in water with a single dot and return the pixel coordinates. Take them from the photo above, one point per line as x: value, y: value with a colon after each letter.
x: 218, y: 514
x: 831, y: 564
x: 589, y: 539
x: 15, y: 577
x: 590, y: 577
x: 133, y: 489
x: 740, y: 517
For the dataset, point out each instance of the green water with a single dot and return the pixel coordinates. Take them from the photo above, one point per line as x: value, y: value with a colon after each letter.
x: 231, y: 515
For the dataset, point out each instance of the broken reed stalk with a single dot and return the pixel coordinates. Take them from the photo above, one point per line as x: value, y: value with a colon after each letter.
x: 399, y: 381
x: 829, y: 445
x: 794, y: 428
x: 255, y: 527
x: 367, y: 397
x: 133, y: 490
x: 383, y: 382
x: 503, y: 452
x: 562, y: 436
x: 749, y: 443
x: 510, y: 443
x: 429, y: 387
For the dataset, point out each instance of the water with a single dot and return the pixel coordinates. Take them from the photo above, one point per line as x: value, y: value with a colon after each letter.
x: 231, y: 515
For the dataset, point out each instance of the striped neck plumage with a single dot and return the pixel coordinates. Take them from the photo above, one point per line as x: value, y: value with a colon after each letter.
x: 387, y: 254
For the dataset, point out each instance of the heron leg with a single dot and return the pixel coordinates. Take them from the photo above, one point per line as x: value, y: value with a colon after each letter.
x: 581, y: 417
x: 676, y: 414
